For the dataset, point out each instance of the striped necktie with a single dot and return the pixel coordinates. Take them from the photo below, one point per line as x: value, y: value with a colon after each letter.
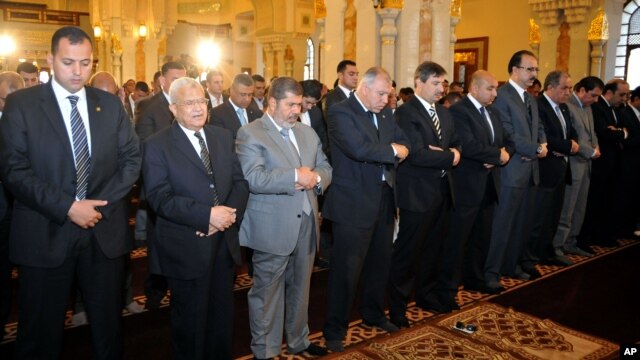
x: 206, y: 161
x: 436, y: 121
x: 80, y: 149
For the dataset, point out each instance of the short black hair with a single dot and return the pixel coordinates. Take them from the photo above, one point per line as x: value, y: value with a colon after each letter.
x: 516, y: 59
x: 406, y: 91
x: 75, y: 35
x: 589, y: 83
x: 257, y: 78
x: 27, y: 67
x: 213, y: 73
x: 279, y: 88
x: 171, y: 65
x: 428, y: 68
x: 143, y: 86
x: 342, y: 65
x: 634, y: 94
x: 612, y: 85
x: 311, y: 88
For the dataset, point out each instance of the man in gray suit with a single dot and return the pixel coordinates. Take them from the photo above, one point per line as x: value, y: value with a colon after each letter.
x: 520, y: 177
x: 585, y: 92
x: 286, y: 169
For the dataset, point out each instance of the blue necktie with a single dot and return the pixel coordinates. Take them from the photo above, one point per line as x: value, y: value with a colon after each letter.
x: 80, y: 149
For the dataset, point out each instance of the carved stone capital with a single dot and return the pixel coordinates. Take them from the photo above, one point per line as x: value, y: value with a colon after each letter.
x: 550, y: 11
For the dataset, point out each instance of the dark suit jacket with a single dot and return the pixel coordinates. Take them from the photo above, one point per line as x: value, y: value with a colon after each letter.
x: 225, y: 116
x: 180, y: 192
x: 420, y: 175
x: 608, y: 139
x: 333, y: 97
x: 318, y: 124
x: 470, y: 176
x: 631, y: 153
x: 152, y: 115
x: 127, y: 107
x: 360, y: 154
x: 38, y: 168
x: 554, y: 169
x: 225, y: 99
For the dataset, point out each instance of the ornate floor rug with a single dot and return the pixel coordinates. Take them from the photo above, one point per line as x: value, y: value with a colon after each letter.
x: 501, y: 334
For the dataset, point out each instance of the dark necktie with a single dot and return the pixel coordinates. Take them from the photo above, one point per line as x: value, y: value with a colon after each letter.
x: 80, y: 149
x: 527, y: 103
x: 436, y: 122
x: 206, y: 161
x: 484, y: 115
x: 306, y: 205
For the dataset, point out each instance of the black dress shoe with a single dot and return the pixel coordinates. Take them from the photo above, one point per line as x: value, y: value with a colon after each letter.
x: 386, y: 326
x: 313, y: 350
x: 433, y: 306
x: 335, y: 346
x: 400, y: 322
x: 532, y: 271
x: 449, y: 303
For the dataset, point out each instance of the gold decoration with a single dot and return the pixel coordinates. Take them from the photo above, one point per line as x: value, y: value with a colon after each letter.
x: 534, y: 32
x: 455, y: 9
x: 599, y: 29
x: 116, y: 46
x: 320, y: 9
x: 392, y: 4
x: 288, y: 53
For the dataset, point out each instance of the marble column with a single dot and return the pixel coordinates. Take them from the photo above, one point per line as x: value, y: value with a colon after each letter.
x: 596, y: 57
x: 441, y: 34
x: 388, y: 34
x: 322, y: 54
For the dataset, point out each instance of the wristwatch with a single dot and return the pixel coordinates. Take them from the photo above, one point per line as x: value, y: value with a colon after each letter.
x: 539, y: 149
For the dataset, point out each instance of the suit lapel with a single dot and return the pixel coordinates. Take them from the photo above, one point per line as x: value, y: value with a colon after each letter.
x: 51, y: 109
x: 427, y: 121
x: 482, y: 121
x: 184, y: 145
x: 364, y: 118
x: 277, y: 138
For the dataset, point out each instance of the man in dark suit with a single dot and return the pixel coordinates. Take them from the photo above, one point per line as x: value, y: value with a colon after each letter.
x: 424, y: 196
x: 259, y: 91
x: 366, y: 146
x: 140, y: 92
x: 240, y: 109
x: 628, y: 191
x: 311, y: 114
x: 286, y: 170
x: 476, y: 182
x: 70, y: 157
x: 215, y: 85
x: 347, y: 82
x: 585, y: 92
x: 600, y: 222
x: 152, y: 114
x: 512, y: 221
x: 195, y: 185
x: 9, y: 82
x: 555, y: 172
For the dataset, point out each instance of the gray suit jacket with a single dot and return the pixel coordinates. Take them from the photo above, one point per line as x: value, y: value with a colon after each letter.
x: 526, y: 137
x: 272, y: 219
x: 582, y: 122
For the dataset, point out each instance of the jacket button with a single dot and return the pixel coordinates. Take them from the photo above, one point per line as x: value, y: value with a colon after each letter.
x: 210, y: 186
x: 299, y: 216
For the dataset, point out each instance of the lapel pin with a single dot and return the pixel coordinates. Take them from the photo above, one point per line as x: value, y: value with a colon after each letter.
x: 98, y: 109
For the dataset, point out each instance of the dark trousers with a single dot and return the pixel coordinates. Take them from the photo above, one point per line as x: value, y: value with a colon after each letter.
x: 44, y: 296
x: 5, y: 271
x: 359, y: 254
x: 548, y: 207
x: 468, y: 243
x: 202, y: 310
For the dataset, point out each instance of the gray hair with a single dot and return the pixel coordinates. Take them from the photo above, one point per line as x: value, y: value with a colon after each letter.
x: 178, y: 84
x: 371, y: 74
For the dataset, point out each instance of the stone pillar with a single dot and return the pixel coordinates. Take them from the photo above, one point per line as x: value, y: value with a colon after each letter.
x: 268, y: 64
x: 322, y: 55
x: 596, y: 57
x: 441, y: 34
x: 116, y: 56
x: 388, y: 34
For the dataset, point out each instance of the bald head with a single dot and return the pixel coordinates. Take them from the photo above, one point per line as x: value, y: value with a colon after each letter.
x: 104, y: 81
x: 483, y: 87
x: 9, y: 82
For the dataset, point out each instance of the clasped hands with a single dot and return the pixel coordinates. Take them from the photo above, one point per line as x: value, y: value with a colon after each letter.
x: 85, y: 213
x: 307, y: 178
x: 220, y: 219
x: 456, y: 153
x: 504, y: 158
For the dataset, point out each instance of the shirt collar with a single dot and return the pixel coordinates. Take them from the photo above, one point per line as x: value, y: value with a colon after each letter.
x: 425, y: 103
x: 520, y: 90
x: 62, y: 93
x: 553, y: 103
x: 475, y: 102
x: 345, y: 90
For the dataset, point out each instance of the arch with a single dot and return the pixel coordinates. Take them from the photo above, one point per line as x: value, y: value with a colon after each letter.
x: 629, y: 37
x: 309, y: 65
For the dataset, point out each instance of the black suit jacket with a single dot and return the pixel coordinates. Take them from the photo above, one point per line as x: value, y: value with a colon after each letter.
x: 152, y: 115
x: 180, y: 192
x: 420, y: 175
x: 608, y: 139
x: 225, y: 116
x: 333, y: 97
x: 318, y: 124
x: 470, y: 177
x: 631, y: 153
x: 554, y: 169
x: 38, y: 168
x: 360, y: 155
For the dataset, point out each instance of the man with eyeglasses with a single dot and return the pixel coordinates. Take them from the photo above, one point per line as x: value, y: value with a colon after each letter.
x: 311, y: 114
x: 520, y: 177
x: 240, y: 109
x: 347, y: 82
x: 194, y: 183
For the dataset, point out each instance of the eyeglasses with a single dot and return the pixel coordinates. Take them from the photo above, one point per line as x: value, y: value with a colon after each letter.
x: 529, y: 69
x: 468, y: 328
x: 191, y: 103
